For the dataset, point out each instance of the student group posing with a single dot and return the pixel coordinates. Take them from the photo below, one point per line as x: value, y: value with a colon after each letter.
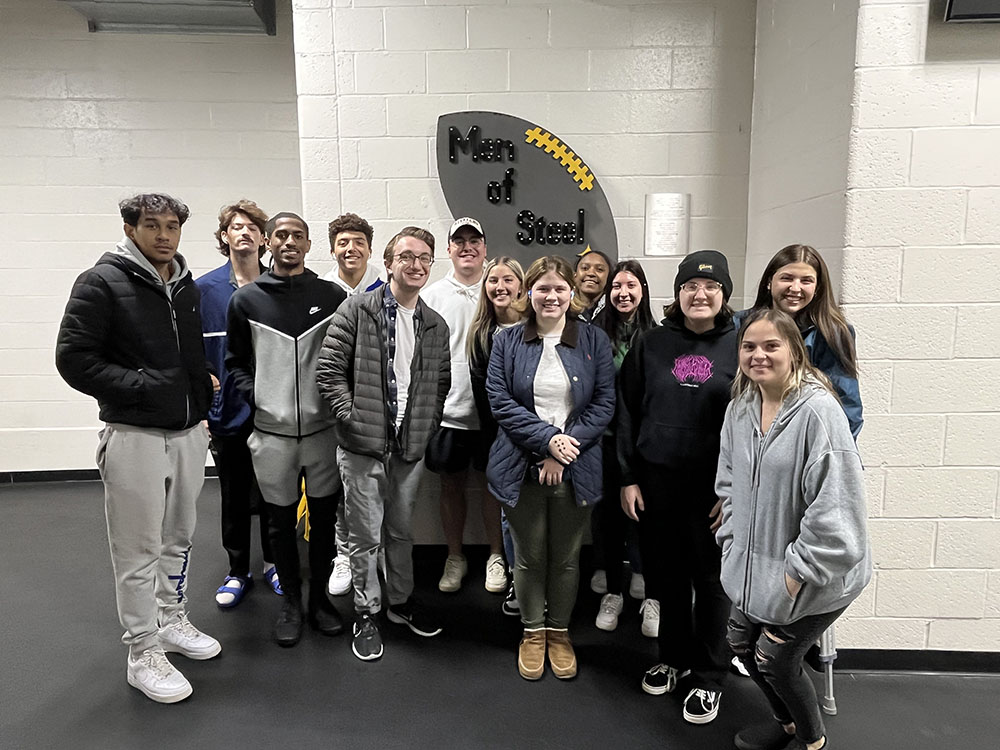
x: 722, y: 444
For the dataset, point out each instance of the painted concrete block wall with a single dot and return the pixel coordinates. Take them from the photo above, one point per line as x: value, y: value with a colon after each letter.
x: 921, y: 279
x: 801, y: 125
x: 654, y: 95
x: 86, y: 120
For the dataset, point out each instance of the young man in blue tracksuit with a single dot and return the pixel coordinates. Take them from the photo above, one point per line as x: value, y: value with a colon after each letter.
x: 241, y: 239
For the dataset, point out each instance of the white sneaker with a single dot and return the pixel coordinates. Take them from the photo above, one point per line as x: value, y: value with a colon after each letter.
x: 455, y: 568
x: 611, y: 606
x: 650, y: 611
x: 156, y: 677
x: 599, y: 582
x: 183, y: 638
x: 736, y: 667
x: 340, y: 576
x: 496, y: 575
x: 637, y: 586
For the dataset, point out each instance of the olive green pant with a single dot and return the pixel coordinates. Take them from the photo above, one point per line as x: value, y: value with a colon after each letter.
x: 548, y: 529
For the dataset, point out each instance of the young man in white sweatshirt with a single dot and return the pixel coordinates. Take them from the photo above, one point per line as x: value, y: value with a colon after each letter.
x: 351, y: 247
x: 458, y: 451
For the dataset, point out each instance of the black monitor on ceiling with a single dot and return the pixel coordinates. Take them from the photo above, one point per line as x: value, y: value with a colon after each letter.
x: 972, y: 10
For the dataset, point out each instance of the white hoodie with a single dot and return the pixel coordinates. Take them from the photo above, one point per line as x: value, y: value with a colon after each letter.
x: 456, y: 303
x: 371, y: 276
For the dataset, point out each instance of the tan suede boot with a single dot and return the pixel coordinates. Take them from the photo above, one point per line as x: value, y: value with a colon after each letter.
x: 562, y: 658
x: 531, y: 654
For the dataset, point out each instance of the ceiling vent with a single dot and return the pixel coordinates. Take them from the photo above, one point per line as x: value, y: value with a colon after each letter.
x: 179, y: 16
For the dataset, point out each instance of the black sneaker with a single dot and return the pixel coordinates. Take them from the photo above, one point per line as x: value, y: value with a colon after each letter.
x: 510, y: 605
x: 409, y: 613
x: 367, y: 643
x: 701, y: 706
x: 767, y: 736
x: 288, y: 628
x: 660, y: 679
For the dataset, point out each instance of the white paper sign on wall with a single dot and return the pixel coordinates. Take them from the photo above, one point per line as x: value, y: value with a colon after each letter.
x: 667, y: 216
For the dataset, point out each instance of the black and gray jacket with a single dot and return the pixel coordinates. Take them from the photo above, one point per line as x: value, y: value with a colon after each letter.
x: 134, y: 342
x: 351, y: 374
x: 274, y: 330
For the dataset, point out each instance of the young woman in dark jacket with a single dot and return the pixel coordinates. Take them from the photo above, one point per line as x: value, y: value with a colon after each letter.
x: 674, y: 388
x: 797, y: 282
x: 503, y: 288
x: 551, y: 385
x: 625, y: 317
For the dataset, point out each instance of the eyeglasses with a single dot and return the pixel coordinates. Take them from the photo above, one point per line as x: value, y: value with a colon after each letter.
x: 407, y: 259
x: 474, y: 242
x: 709, y: 287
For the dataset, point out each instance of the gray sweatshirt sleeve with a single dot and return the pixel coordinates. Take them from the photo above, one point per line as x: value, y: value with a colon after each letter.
x: 724, y: 481
x: 833, y: 535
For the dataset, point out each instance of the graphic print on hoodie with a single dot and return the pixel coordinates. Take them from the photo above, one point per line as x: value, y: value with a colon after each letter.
x: 692, y: 370
x: 674, y: 389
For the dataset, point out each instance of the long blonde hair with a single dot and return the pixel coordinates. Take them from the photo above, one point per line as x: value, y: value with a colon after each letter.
x: 485, y: 319
x: 802, y: 370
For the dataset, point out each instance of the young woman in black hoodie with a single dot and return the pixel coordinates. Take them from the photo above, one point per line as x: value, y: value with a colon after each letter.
x: 673, y: 391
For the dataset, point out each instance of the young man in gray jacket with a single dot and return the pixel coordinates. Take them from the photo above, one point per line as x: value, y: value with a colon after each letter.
x: 385, y: 369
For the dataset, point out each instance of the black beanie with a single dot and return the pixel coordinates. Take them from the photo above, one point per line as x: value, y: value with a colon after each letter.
x: 705, y: 264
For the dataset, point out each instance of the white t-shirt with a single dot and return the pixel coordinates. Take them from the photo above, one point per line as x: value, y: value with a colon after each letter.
x: 456, y: 303
x: 405, y: 343
x: 553, y: 397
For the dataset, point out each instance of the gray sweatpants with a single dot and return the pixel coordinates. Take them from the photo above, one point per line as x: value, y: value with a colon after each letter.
x: 280, y: 461
x: 379, y: 496
x: 152, y: 479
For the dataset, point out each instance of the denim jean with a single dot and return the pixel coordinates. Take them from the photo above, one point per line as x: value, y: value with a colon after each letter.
x: 772, y: 655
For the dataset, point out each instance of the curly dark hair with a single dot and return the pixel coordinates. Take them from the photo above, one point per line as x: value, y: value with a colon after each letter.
x: 350, y: 223
x: 152, y: 203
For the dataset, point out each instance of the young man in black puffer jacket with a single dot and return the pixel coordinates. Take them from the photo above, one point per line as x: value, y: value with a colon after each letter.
x: 131, y: 338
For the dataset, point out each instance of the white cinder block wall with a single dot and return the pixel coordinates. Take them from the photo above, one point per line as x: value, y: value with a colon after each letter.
x: 654, y: 95
x: 804, y: 78
x: 88, y: 119
x: 922, y: 284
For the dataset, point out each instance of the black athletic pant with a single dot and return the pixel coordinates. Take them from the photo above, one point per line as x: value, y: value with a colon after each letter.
x: 610, y: 528
x: 240, y: 499
x: 681, y: 564
x: 322, y: 545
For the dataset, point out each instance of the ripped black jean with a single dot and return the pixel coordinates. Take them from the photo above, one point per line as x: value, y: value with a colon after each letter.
x: 776, y: 666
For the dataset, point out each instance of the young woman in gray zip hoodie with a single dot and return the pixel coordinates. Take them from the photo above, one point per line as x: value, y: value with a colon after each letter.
x: 793, y: 523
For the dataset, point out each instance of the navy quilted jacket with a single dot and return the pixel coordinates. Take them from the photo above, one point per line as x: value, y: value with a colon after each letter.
x: 523, y: 438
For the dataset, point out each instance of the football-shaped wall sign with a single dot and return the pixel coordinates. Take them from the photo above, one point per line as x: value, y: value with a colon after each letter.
x: 531, y: 192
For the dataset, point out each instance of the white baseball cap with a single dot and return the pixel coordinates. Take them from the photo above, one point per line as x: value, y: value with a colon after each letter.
x: 465, y: 221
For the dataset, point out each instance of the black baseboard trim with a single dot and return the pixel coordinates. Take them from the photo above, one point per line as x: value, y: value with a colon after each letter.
x: 64, y: 475
x: 900, y: 660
